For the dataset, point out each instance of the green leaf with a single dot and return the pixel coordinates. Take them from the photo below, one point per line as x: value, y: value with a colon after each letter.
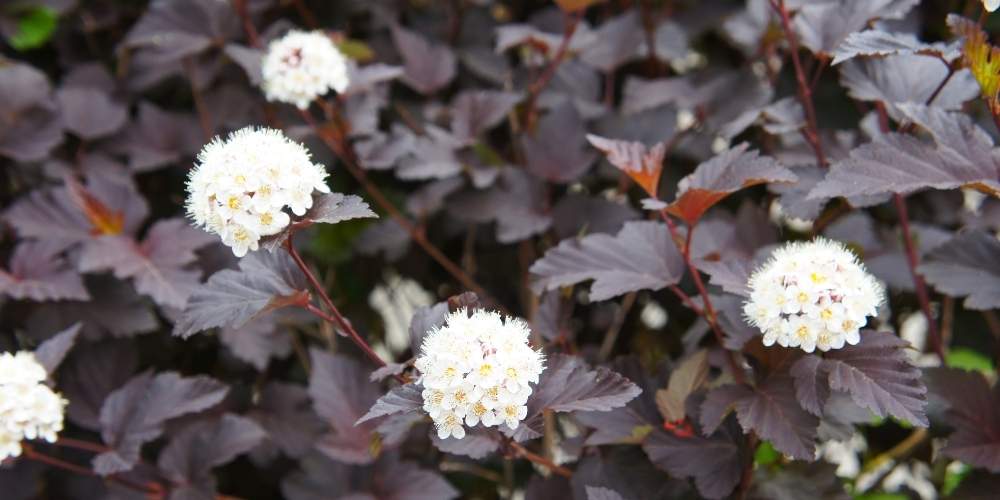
x: 356, y: 49
x: 34, y: 28
x: 766, y: 454
x: 953, y: 477
x: 878, y: 495
x: 967, y: 359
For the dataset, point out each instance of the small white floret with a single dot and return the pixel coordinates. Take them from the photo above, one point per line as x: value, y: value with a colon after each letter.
x: 301, y: 66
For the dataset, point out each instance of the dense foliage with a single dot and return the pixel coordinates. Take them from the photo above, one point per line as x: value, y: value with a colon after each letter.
x: 613, y: 172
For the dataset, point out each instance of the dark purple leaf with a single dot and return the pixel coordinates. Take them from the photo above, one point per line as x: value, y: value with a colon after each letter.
x: 876, y: 373
x: 367, y: 77
x: 428, y: 66
x: 134, y: 414
x: 432, y: 156
x: 256, y: 342
x: 383, y: 151
x: 478, y: 443
x: 192, y: 453
x: 715, y: 463
x: 342, y: 394
x: 574, y: 214
x: 599, y: 493
x: 907, y: 78
x: 285, y: 412
x: 159, y: 138
x: 882, y: 43
x: 424, y: 320
x: 556, y: 151
x: 38, y: 273
x: 968, y: 266
x: 90, y: 113
x: 516, y: 202
x: 811, y: 387
x: 619, y: 40
x: 93, y: 371
x: 962, y: 156
x: 401, y: 399
x: 567, y: 385
x: 328, y: 208
x: 175, y: 29
x: 232, y: 298
x: 974, y: 412
x: 51, y: 353
x: 249, y: 59
x: 115, y: 309
x: 771, y: 410
x: 823, y: 26
x: 721, y: 176
x: 475, y: 112
x: 386, y: 236
x: 30, y: 126
x: 159, y: 266
x: 641, y: 256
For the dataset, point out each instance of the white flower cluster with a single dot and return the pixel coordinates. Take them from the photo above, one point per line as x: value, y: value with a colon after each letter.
x: 29, y: 409
x: 991, y: 5
x: 241, y: 185
x: 812, y: 295
x: 301, y: 66
x: 477, y: 369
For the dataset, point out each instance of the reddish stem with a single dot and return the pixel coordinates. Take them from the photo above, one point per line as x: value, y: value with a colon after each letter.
x: 337, y: 319
x: 31, y: 454
x: 204, y: 120
x: 686, y: 300
x: 540, y: 460
x: 241, y: 10
x: 913, y: 260
x: 571, y: 22
x: 345, y: 152
x: 709, y: 311
x: 811, y: 132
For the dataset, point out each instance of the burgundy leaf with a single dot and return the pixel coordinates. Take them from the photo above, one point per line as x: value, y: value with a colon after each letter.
x: 599, y: 493
x: 159, y: 138
x: 258, y: 341
x: 328, y: 208
x: 428, y: 66
x: 30, y: 125
x: 232, y: 298
x: 771, y: 410
x: 342, y: 394
x: 962, y: 156
x: 715, y: 463
x: 721, y: 176
x: 158, y: 266
x: 134, y: 414
x: 401, y: 399
x: 432, y: 156
x: 90, y: 113
x: 876, y: 373
x: 176, y: 29
x: 367, y: 77
x: 92, y: 372
x: 641, y: 256
x: 823, y: 26
x: 968, y: 266
x: 974, y: 411
x: 516, y: 202
x: 619, y: 40
x: 51, y: 353
x: 881, y: 43
x: 38, y: 273
x: 478, y: 443
x: 192, y: 453
x: 249, y: 59
x: 557, y: 150
x: 114, y: 309
x: 907, y: 78
x: 285, y: 412
x: 475, y: 112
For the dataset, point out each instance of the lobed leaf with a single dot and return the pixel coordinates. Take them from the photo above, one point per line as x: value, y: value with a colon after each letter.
x: 721, y: 176
x: 231, y: 298
x: 342, y: 394
x: 189, y: 458
x: 968, y: 266
x: 39, y: 273
x: 974, y: 411
x: 882, y: 43
x: 400, y: 399
x: 134, y: 414
x: 428, y: 66
x: 328, y: 208
x: 51, y: 353
x: 641, y: 256
x: 642, y: 164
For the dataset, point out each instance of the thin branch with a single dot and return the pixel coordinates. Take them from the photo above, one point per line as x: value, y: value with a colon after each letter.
x: 686, y: 299
x: 345, y: 152
x: 913, y: 260
x: 337, y: 319
x: 204, y: 120
x: 523, y: 452
x: 709, y: 311
x: 811, y: 131
x: 571, y: 22
x: 240, y: 6
x: 154, y: 490
x: 611, y: 335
